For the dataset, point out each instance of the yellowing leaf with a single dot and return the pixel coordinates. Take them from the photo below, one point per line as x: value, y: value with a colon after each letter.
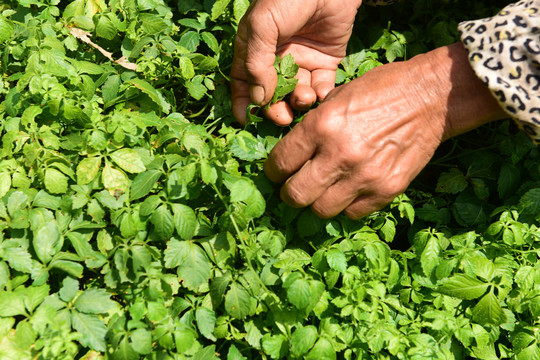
x: 114, y: 180
x: 129, y: 160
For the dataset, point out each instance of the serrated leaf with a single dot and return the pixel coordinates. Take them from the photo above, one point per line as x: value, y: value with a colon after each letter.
x: 143, y: 183
x: 211, y: 41
x: 163, y: 222
x: 69, y: 289
x: 55, y: 181
x: 206, y: 322
x: 19, y: 259
x: 299, y: 293
x: 92, y: 330
x: 322, y: 350
x: 303, y: 339
x: 190, y: 40
x: 185, y: 221
x: 5, y: 183
x: 94, y: 301
x: 246, y: 147
x: 186, y: 68
x: 6, y: 29
x: 218, y: 8
x: 463, y: 287
x: 489, y: 311
x: 88, y: 169
x: 430, y: 255
x: 11, y: 303
x: 48, y: 240
x: 114, y: 180
x: 336, y: 260
x: 237, y: 302
x: 275, y: 345
x: 152, y: 93
x: 129, y: 160
x: 452, y: 181
x: 529, y: 203
x: 141, y: 341
x: 194, y: 268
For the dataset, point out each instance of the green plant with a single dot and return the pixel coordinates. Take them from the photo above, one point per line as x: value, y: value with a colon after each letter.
x: 136, y: 222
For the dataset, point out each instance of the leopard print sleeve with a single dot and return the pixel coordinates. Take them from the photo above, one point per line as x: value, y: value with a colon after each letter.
x: 504, y: 52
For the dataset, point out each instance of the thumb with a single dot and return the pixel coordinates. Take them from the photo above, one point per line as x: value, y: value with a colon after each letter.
x: 261, y: 41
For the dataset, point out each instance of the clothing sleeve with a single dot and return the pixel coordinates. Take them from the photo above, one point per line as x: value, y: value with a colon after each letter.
x: 504, y: 52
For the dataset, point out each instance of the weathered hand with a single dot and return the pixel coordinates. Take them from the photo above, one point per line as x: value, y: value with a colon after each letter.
x: 369, y: 138
x: 315, y: 32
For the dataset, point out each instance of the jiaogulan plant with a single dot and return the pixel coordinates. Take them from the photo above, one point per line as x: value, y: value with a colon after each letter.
x: 136, y: 221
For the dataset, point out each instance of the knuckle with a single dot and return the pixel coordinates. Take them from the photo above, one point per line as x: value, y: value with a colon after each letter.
x: 322, y: 211
x: 295, y: 197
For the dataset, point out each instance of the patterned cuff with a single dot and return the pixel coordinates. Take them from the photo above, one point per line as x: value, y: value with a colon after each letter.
x: 504, y: 52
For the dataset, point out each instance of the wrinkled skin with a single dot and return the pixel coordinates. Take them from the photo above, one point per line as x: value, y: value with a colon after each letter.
x: 315, y: 32
x: 368, y: 139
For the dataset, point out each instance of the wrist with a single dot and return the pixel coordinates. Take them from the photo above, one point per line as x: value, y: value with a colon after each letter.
x: 462, y: 102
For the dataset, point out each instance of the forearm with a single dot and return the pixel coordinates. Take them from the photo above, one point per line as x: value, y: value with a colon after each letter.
x: 451, y: 92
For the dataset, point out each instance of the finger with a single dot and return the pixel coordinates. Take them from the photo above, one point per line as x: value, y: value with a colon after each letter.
x: 323, y: 81
x: 240, y: 99
x: 260, y: 44
x: 303, y: 95
x: 364, y: 205
x: 336, y: 198
x: 310, y: 182
x: 291, y: 152
x: 280, y: 113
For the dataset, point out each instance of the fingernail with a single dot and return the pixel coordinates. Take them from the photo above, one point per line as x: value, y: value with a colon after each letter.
x: 257, y: 94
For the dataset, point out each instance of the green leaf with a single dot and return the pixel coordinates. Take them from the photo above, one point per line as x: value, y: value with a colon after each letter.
x: 114, y: 180
x: 237, y: 302
x: 94, y: 301
x: 149, y: 205
x: 55, y: 181
x: 489, y: 311
x: 91, y: 329
x: 88, y: 169
x: 218, y: 8
x: 185, y: 221
x: 452, y: 181
x: 190, y: 40
x: 463, y: 287
x: 141, y: 341
x: 69, y: 289
x: 322, y: 350
x: 430, y: 256
x: 336, y: 260
x: 246, y: 147
x: 529, y: 204
x: 153, y: 93
x: 19, y: 259
x: 288, y: 67
x: 6, y: 29
x: 129, y: 160
x: 206, y: 322
x: 194, y: 268
x: 240, y: 8
x: 163, y: 222
x: 211, y: 41
x: 275, y: 345
x: 143, y: 183
x: 11, y: 303
x: 186, y: 68
x: 153, y: 23
x: 48, y: 240
x: 303, y: 339
x: 235, y: 354
x: 299, y: 293
x: 5, y: 183
x: 105, y: 28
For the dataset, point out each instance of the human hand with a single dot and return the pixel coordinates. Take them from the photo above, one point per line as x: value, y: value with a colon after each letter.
x: 315, y: 32
x: 369, y: 139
